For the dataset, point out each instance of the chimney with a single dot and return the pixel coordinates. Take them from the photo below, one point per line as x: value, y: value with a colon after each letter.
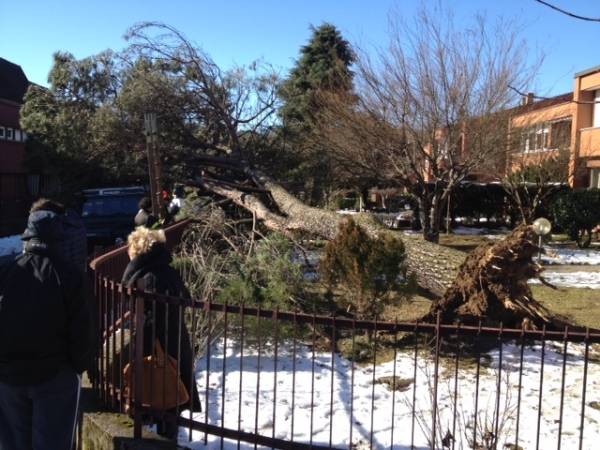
x: 529, y: 98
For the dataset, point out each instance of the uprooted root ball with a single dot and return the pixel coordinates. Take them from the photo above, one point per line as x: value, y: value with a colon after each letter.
x: 491, y: 286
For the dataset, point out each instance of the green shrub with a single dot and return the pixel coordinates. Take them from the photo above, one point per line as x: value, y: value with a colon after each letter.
x: 268, y: 277
x: 578, y: 213
x: 366, y: 269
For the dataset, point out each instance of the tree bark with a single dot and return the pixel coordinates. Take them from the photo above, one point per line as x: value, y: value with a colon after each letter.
x: 435, y: 267
x: 489, y: 285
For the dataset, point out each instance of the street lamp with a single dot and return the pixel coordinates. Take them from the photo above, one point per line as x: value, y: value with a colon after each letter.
x: 541, y: 227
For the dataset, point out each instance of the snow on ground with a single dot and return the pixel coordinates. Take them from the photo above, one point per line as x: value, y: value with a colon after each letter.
x: 10, y: 245
x: 487, y: 232
x: 460, y: 230
x: 556, y: 255
x: 295, y: 411
x: 589, y: 280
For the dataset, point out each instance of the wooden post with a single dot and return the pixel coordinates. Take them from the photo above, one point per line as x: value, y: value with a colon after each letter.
x: 154, y: 166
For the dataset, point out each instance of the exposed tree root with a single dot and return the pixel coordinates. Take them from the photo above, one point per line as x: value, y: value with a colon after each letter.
x: 491, y: 286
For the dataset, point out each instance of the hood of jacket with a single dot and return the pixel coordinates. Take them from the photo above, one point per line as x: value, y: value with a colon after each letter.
x: 44, y: 226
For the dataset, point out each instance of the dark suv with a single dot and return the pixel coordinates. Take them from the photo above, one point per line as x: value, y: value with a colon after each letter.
x: 108, y: 213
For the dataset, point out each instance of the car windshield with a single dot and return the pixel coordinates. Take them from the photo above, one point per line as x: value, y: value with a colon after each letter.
x: 110, y: 206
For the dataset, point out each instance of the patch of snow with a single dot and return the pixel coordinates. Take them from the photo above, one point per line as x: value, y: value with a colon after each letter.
x: 556, y: 255
x: 11, y: 245
x: 590, y: 280
x: 308, y: 258
x: 309, y: 261
x: 347, y: 211
x: 284, y: 403
x: 411, y: 232
x: 491, y: 233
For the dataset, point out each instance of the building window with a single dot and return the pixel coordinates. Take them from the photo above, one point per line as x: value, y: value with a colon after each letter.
x: 535, y: 138
x: 17, y: 135
x: 596, y: 109
x: 594, y: 178
x: 9, y: 134
x: 541, y: 138
x: 560, y: 134
x: 1, y: 132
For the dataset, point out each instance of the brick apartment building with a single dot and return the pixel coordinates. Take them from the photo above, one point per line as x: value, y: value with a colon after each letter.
x: 541, y: 128
x: 569, y: 122
x: 15, y: 181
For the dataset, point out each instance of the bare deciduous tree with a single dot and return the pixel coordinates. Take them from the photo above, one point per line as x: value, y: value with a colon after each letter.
x: 537, y: 166
x: 432, y: 108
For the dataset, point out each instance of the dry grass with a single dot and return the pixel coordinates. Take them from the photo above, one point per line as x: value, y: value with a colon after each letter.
x: 465, y: 243
x: 580, y: 305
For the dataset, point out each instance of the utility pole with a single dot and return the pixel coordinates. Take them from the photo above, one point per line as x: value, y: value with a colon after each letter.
x: 448, y: 217
x: 154, y: 166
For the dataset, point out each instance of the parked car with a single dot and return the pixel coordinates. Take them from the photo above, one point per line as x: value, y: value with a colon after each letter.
x: 108, y: 213
x: 405, y: 218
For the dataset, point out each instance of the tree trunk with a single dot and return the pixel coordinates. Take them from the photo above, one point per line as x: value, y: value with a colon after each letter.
x: 434, y: 266
x: 435, y: 217
x: 425, y: 215
x: 430, y: 209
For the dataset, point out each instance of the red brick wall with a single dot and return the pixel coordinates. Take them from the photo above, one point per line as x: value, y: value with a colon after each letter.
x: 14, y: 194
x: 12, y: 153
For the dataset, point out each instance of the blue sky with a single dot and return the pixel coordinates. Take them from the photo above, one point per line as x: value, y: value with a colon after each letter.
x: 238, y: 32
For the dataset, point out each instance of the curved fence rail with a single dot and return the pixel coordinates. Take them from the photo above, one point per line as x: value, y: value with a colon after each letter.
x: 290, y: 380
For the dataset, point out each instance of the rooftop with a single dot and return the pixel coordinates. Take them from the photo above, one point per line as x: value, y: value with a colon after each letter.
x: 13, y: 82
x: 587, y: 71
x: 544, y: 103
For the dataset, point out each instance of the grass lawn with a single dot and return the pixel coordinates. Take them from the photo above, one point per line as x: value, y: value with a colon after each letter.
x: 579, y: 305
x: 464, y: 243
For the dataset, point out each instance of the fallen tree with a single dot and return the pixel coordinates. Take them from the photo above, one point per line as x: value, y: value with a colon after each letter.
x: 490, y: 285
x: 434, y: 266
x: 233, y: 112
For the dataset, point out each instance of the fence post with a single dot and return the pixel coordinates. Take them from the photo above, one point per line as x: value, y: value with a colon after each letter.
x: 435, y: 380
x: 139, y: 367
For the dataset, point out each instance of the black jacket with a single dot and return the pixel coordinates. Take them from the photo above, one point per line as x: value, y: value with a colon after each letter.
x: 45, y: 318
x: 152, y: 271
x: 73, y: 246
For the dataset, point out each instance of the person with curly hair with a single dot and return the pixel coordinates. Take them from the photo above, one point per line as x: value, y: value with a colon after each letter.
x: 150, y: 269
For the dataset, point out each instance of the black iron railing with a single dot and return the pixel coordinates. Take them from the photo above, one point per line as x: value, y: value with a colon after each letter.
x: 290, y: 380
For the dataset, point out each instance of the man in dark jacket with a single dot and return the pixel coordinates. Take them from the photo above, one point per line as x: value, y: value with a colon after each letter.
x: 45, y: 340
x: 144, y: 217
x: 73, y: 244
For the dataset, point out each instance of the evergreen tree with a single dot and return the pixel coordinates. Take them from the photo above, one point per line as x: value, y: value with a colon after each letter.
x: 323, y: 66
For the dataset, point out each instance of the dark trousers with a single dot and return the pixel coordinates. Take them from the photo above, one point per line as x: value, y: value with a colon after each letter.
x: 40, y: 417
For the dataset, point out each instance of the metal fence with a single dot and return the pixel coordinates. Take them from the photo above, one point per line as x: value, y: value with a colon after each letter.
x: 290, y: 380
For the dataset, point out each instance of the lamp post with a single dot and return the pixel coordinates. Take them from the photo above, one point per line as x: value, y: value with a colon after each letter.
x: 151, y: 131
x: 541, y: 227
